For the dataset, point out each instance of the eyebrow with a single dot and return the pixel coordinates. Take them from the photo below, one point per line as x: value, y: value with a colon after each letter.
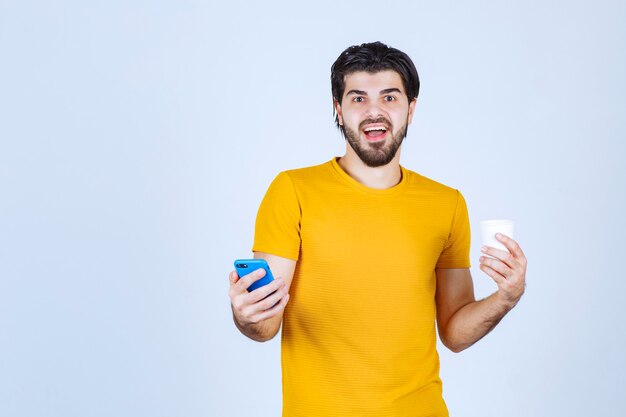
x: 390, y: 90
x: 385, y: 91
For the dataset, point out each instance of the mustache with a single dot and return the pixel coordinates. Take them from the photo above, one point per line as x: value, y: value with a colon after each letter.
x: 380, y: 120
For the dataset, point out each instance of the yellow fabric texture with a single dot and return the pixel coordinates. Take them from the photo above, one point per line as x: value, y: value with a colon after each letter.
x: 358, y: 336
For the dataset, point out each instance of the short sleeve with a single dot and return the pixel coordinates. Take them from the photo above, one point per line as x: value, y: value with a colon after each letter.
x: 277, y: 229
x: 455, y: 253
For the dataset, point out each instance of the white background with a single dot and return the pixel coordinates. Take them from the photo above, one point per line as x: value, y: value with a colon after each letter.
x: 138, y: 138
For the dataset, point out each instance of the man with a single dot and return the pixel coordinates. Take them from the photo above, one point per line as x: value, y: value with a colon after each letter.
x: 370, y: 255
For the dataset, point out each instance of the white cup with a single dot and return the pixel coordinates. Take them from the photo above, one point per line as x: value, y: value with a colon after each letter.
x: 489, y: 228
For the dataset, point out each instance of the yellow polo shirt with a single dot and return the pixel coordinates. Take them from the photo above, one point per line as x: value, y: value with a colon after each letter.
x: 358, y: 336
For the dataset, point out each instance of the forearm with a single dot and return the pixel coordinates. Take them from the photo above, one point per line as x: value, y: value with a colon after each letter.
x: 473, y: 321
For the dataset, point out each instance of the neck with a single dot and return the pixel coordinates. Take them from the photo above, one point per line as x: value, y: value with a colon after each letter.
x: 380, y: 178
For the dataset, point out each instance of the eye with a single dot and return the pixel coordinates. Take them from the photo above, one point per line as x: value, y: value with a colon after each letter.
x: 389, y: 98
x: 358, y: 99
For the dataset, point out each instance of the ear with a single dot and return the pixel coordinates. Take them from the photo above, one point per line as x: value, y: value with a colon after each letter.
x: 411, y: 110
x: 338, y: 111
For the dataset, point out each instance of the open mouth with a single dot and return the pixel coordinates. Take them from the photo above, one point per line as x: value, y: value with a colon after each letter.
x: 375, y: 133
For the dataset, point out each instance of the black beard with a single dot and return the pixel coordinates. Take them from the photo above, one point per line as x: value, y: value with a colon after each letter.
x: 376, y: 154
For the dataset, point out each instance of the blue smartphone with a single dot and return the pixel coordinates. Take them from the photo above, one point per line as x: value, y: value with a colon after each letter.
x: 245, y: 266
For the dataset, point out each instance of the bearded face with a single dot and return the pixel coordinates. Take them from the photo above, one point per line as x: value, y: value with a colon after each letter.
x: 381, y: 142
x: 374, y: 114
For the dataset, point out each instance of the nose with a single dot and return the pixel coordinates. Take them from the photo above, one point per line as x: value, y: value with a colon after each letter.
x: 374, y: 110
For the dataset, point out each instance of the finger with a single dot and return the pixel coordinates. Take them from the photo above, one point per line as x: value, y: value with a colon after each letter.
x: 251, y: 304
x: 497, y: 265
x: 233, y: 290
x: 250, y: 278
x: 511, y: 245
x: 500, y: 254
x: 269, y: 301
x: 499, y: 279
x: 262, y: 292
x: 233, y: 277
x: 271, y: 312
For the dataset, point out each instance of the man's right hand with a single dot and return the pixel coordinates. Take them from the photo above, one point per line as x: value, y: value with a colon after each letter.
x: 253, y: 308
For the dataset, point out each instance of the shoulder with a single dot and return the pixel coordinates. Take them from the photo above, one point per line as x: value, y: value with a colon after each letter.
x: 307, y: 175
x: 430, y: 186
x: 310, y: 171
x: 294, y: 183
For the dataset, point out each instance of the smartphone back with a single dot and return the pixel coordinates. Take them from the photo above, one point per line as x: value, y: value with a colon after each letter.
x: 245, y: 266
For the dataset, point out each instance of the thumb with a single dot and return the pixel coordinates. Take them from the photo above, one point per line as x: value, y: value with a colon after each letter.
x: 233, y: 277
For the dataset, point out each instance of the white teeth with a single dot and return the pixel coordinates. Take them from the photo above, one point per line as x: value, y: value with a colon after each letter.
x: 369, y: 129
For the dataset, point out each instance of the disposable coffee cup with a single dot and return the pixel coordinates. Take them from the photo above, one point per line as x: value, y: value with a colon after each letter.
x: 489, y: 228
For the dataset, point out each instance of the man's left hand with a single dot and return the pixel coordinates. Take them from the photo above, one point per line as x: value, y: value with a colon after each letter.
x: 508, y: 269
